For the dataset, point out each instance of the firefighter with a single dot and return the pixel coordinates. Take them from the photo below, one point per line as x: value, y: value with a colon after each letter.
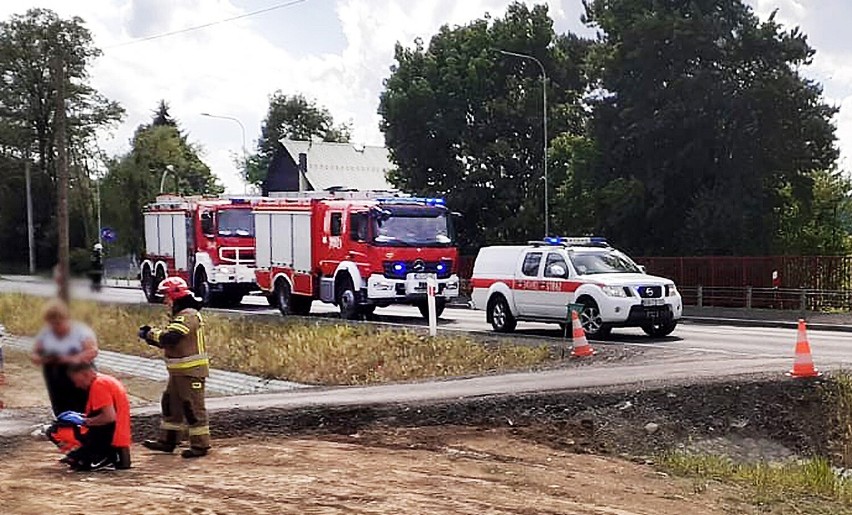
x: 96, y: 271
x: 186, y: 359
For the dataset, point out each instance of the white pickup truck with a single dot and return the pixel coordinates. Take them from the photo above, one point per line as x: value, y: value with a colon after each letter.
x: 537, y: 282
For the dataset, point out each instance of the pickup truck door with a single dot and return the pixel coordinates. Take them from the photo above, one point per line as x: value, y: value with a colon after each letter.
x: 529, y: 300
x: 558, y: 285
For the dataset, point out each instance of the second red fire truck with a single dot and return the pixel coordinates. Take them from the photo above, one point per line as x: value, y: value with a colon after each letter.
x: 356, y: 250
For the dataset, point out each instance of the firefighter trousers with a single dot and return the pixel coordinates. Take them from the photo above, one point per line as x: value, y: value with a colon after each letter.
x: 184, y: 410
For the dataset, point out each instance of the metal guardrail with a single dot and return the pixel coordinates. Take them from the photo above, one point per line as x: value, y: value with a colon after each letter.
x: 767, y: 298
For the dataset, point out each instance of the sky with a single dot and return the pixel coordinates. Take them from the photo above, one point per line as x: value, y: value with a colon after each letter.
x: 337, y: 52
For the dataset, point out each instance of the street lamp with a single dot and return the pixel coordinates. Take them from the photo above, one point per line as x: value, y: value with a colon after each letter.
x: 546, y: 144
x: 242, y: 129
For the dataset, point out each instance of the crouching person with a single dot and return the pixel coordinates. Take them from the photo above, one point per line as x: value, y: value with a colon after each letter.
x: 105, y: 433
x: 186, y: 359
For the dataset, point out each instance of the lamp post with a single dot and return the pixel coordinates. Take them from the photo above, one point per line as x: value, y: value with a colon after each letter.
x: 544, y: 118
x: 242, y: 130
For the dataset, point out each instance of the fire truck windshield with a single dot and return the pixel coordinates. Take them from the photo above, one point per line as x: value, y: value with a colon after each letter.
x: 435, y: 229
x: 236, y: 223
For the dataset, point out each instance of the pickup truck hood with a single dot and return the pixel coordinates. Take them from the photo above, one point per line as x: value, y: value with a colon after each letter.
x: 625, y: 279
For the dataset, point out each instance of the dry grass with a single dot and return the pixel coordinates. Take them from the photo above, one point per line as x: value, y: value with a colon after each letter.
x: 315, y: 353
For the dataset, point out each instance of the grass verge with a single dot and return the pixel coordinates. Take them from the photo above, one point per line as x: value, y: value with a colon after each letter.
x: 315, y: 353
x: 780, y: 487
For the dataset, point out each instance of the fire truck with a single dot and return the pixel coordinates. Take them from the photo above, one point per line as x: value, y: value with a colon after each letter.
x: 356, y: 250
x: 207, y: 241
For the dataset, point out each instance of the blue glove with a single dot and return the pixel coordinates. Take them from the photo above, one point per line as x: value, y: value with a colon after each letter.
x: 71, y: 418
x: 143, y: 332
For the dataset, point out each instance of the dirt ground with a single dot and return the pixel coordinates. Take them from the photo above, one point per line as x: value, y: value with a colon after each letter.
x: 457, y: 471
x: 24, y: 386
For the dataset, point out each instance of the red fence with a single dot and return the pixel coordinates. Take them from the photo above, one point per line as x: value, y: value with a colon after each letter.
x: 806, y: 272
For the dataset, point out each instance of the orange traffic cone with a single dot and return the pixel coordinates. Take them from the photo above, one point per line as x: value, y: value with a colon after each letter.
x: 581, y: 347
x: 804, y: 365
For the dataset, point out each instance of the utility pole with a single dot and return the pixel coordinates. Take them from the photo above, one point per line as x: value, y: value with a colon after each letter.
x: 30, y: 228
x: 62, y: 176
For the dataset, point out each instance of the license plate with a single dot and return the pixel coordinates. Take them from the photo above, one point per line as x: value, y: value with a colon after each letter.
x: 421, y: 276
x: 653, y: 302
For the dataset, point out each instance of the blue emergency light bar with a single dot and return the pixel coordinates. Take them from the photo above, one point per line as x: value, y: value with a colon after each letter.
x: 240, y: 201
x: 588, y: 241
x: 414, y: 200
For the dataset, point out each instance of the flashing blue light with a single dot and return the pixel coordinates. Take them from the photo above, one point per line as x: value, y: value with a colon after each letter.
x: 552, y: 240
x: 441, y: 267
x: 399, y: 267
x: 413, y: 200
x: 239, y: 201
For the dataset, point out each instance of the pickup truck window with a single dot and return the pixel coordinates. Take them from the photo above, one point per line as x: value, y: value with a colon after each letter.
x: 555, y: 267
x: 531, y: 264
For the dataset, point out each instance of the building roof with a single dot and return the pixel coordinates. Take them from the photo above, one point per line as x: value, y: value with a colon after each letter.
x: 342, y: 165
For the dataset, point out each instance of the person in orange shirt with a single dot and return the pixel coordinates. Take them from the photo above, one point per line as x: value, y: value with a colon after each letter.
x: 106, y: 441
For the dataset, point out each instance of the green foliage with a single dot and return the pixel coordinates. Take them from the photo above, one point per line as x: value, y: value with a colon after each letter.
x: 133, y: 180
x: 29, y: 44
x: 291, y: 117
x: 463, y: 121
x: 707, y: 138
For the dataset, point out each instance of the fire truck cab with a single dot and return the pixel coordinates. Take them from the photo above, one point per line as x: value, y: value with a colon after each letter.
x: 356, y: 250
x: 207, y: 241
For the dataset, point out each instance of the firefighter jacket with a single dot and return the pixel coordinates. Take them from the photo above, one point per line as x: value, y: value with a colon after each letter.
x: 183, y: 344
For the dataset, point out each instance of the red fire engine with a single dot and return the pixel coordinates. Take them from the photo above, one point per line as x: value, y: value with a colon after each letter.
x: 207, y: 241
x: 357, y: 250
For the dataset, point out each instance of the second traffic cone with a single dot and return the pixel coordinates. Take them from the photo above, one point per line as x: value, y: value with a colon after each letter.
x: 803, y: 366
x: 581, y: 347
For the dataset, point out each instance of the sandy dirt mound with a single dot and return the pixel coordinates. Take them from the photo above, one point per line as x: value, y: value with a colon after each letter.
x: 446, y: 471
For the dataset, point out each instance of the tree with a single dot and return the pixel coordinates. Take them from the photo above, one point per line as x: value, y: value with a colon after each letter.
x: 28, y: 44
x: 703, y: 130
x: 291, y: 117
x: 162, y: 117
x: 465, y: 122
x: 158, y: 151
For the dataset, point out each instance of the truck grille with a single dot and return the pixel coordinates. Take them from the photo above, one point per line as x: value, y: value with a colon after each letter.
x: 650, y: 292
x: 400, y: 269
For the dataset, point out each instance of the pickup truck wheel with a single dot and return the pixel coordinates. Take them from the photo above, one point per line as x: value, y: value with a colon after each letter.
x: 440, y: 304
x: 347, y: 301
x: 283, y: 297
x: 592, y: 322
x: 500, y: 315
x: 659, y: 330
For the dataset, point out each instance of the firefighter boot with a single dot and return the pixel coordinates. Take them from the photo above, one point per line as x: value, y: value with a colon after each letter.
x: 159, y: 445
x: 194, y: 452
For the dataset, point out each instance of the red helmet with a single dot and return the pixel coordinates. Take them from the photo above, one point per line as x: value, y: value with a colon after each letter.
x: 174, y: 288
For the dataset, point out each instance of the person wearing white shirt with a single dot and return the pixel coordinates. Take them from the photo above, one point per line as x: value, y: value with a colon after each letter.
x: 61, y: 343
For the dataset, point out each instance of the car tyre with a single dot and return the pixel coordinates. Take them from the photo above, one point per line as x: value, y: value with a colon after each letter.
x: 592, y: 322
x: 660, y: 330
x: 500, y: 315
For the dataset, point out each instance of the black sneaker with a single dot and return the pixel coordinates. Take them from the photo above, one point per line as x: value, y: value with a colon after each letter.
x: 103, y: 463
x: 193, y: 452
x: 158, y: 445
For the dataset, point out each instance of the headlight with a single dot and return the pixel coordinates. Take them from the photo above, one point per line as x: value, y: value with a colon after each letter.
x: 671, y: 290
x: 614, y: 291
x: 383, y: 285
x: 227, y: 270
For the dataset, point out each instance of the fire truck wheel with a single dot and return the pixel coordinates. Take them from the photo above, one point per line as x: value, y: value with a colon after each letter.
x: 201, y: 287
x: 347, y: 300
x: 283, y: 297
x: 440, y: 304
x: 301, y: 305
x: 500, y: 316
x: 148, y: 287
